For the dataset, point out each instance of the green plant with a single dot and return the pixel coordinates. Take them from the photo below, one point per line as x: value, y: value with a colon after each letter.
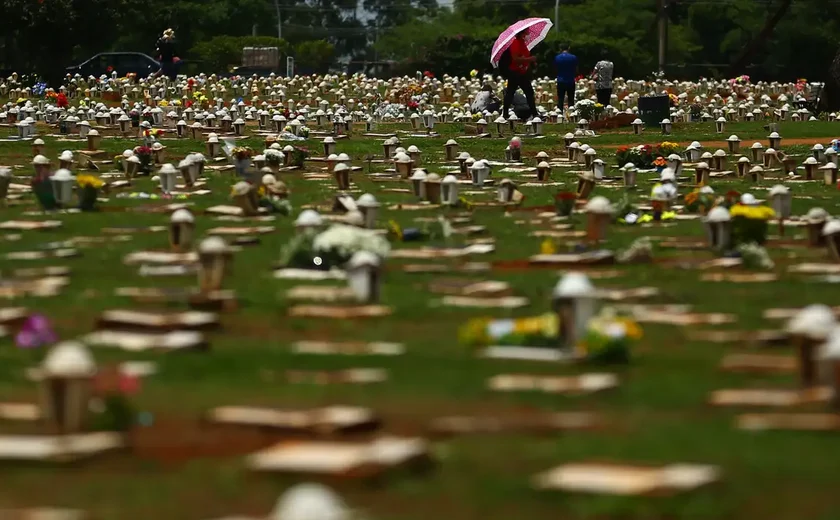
x: 315, y: 55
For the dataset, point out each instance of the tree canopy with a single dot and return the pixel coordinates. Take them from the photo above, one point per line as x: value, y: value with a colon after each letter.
x: 768, y: 39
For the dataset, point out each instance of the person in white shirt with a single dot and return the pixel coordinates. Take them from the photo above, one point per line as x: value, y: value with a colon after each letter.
x: 603, y: 76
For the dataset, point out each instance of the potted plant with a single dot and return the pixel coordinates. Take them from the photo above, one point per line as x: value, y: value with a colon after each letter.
x: 89, y: 187
x: 298, y: 156
x: 242, y: 159
x: 749, y: 223
x: 144, y: 153
x: 564, y: 202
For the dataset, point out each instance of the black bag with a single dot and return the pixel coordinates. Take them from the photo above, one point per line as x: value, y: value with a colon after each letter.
x: 504, y: 63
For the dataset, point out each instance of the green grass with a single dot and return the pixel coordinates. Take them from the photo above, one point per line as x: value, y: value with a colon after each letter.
x: 657, y: 415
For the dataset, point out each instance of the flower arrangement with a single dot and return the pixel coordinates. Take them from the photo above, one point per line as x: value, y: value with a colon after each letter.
x: 641, y: 250
x: 641, y: 156
x: 473, y: 73
x: 749, y: 223
x: 89, y: 187
x: 564, y: 202
x: 299, y: 155
x: 801, y: 83
x: 153, y: 133
x: 588, y: 109
x: 303, y: 131
x: 740, y: 81
x: 699, y: 202
x: 673, y: 100
x: 61, y: 101
x: 242, y: 153
x: 754, y: 256
x: 609, y: 338
x: 536, y: 331
x: 666, y: 148
x: 731, y: 198
x: 660, y: 163
x: 144, y: 153
x: 337, y: 244
x: 112, y: 389
x: 273, y: 157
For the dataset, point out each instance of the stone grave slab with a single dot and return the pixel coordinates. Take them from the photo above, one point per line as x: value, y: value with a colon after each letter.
x: 498, y: 302
x: 341, y: 313
x: 626, y: 480
x: 348, y: 348
x: 759, y: 363
x: 126, y: 319
x: 30, y: 225
x: 581, y: 384
x: 770, y: 397
x: 349, y: 460
x: 59, y: 449
x: 813, y: 422
x: 356, y: 376
x: 538, y: 424
x: 317, y: 421
x: 139, y: 342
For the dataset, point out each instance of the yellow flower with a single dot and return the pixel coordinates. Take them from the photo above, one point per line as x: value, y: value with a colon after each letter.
x: 163, y: 103
x: 474, y: 333
x: 547, y: 247
x: 89, y: 181
x: 547, y: 325
x: 473, y: 73
x: 752, y: 212
x: 631, y: 328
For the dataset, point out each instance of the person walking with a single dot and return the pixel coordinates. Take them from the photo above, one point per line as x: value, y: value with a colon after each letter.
x: 603, y: 76
x: 517, y: 74
x: 566, y: 64
x: 166, y: 55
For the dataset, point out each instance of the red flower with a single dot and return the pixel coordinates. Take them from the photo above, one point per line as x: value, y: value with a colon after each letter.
x: 189, y: 103
x: 109, y: 69
x: 61, y: 101
x: 428, y: 74
x: 112, y: 380
x: 622, y: 149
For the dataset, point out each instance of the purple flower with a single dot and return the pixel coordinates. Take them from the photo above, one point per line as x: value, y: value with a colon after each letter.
x: 35, y: 332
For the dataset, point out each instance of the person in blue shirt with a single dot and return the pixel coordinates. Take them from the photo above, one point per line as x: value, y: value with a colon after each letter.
x: 566, y: 64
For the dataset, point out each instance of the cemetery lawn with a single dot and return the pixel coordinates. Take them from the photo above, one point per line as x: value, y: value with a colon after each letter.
x: 659, y: 414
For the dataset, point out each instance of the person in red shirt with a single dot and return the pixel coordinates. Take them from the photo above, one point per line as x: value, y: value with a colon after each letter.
x: 518, y: 77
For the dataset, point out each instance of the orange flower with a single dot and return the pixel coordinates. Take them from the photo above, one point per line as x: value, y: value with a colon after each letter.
x: 660, y: 161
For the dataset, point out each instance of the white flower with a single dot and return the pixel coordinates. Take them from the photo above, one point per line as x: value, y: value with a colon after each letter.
x: 347, y: 240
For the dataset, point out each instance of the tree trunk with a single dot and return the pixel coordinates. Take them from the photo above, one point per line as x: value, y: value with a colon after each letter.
x: 750, y: 49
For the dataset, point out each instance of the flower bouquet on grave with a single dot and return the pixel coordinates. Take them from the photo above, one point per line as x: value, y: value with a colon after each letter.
x: 340, y: 242
x: 241, y: 159
x: 749, y: 223
x: 660, y: 163
x: 699, y: 202
x: 144, y: 153
x: 641, y: 156
x: 43, y: 190
x: 754, y: 256
x: 298, y: 253
x: 112, y: 389
x: 666, y: 148
x: 303, y: 132
x: 588, y: 109
x: 730, y: 199
x: 299, y: 154
x: 35, y: 334
x: 564, y: 202
x: 274, y: 202
x: 535, y: 331
x: 134, y: 115
x: 274, y: 159
x: 609, y: 338
x: 89, y: 187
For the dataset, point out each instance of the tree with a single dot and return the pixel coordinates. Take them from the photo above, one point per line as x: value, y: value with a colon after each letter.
x: 314, y: 56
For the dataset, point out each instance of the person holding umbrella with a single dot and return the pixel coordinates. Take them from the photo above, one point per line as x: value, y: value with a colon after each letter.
x: 518, y: 77
x: 511, y: 54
